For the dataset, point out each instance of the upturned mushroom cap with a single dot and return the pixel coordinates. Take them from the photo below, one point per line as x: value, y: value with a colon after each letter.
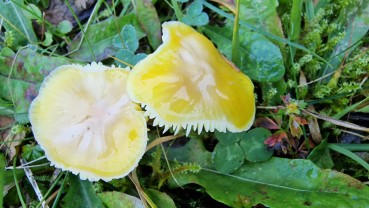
x: 87, y: 124
x: 187, y: 83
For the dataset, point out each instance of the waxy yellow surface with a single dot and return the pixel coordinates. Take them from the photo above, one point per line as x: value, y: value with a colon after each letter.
x: 187, y: 83
x: 87, y: 124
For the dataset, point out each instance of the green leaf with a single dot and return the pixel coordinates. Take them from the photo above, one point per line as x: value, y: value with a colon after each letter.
x: 229, y: 138
x: 193, y: 151
x: 222, y: 38
x: 32, y: 152
x: 199, y: 20
x: 81, y: 194
x: 48, y: 39
x: 127, y: 39
x: 264, y: 61
x: 26, y: 75
x: 6, y: 108
x: 16, y: 22
x: 35, y: 14
x: 195, y: 8
x: 321, y: 156
x: 65, y: 27
x: 149, y: 21
x: 253, y: 145
x: 281, y: 183
x: 127, y: 57
x: 138, y: 57
x: 228, y: 158
x: 262, y: 15
x: 100, y: 36
x: 194, y: 15
x: 160, y: 199
x: 260, y: 58
x: 115, y: 199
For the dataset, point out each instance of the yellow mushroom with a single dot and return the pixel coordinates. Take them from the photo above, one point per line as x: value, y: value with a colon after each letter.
x: 87, y: 124
x: 187, y: 83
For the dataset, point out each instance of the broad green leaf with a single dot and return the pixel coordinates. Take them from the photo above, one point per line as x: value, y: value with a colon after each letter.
x: 355, y: 21
x: 160, y: 199
x: 7, y: 52
x: 100, y: 36
x: 228, y: 158
x: 321, y: 156
x: 262, y: 15
x: 264, y: 61
x: 115, y: 199
x: 35, y: 12
x: 222, y: 38
x: 6, y: 108
x: 81, y: 194
x: 32, y: 152
x: 253, y: 145
x: 281, y: 183
x: 149, y: 21
x: 22, y: 80
x: 127, y: 39
x: 193, y: 151
x: 260, y: 58
x: 229, y: 138
x: 15, y: 20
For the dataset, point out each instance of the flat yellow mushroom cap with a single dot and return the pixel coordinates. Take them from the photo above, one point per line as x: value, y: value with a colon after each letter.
x: 187, y: 83
x: 87, y: 124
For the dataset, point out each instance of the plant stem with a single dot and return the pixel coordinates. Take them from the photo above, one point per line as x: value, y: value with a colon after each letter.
x: 176, y: 9
x: 235, y: 39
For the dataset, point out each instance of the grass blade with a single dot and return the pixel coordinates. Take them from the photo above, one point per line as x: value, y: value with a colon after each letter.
x: 2, y: 177
x: 17, y: 184
x: 349, y: 154
x: 295, y: 23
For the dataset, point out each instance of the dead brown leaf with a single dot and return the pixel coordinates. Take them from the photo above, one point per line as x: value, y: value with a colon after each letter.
x: 9, y: 140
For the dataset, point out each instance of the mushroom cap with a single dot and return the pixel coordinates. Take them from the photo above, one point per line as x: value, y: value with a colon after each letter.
x: 187, y: 83
x: 86, y: 123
